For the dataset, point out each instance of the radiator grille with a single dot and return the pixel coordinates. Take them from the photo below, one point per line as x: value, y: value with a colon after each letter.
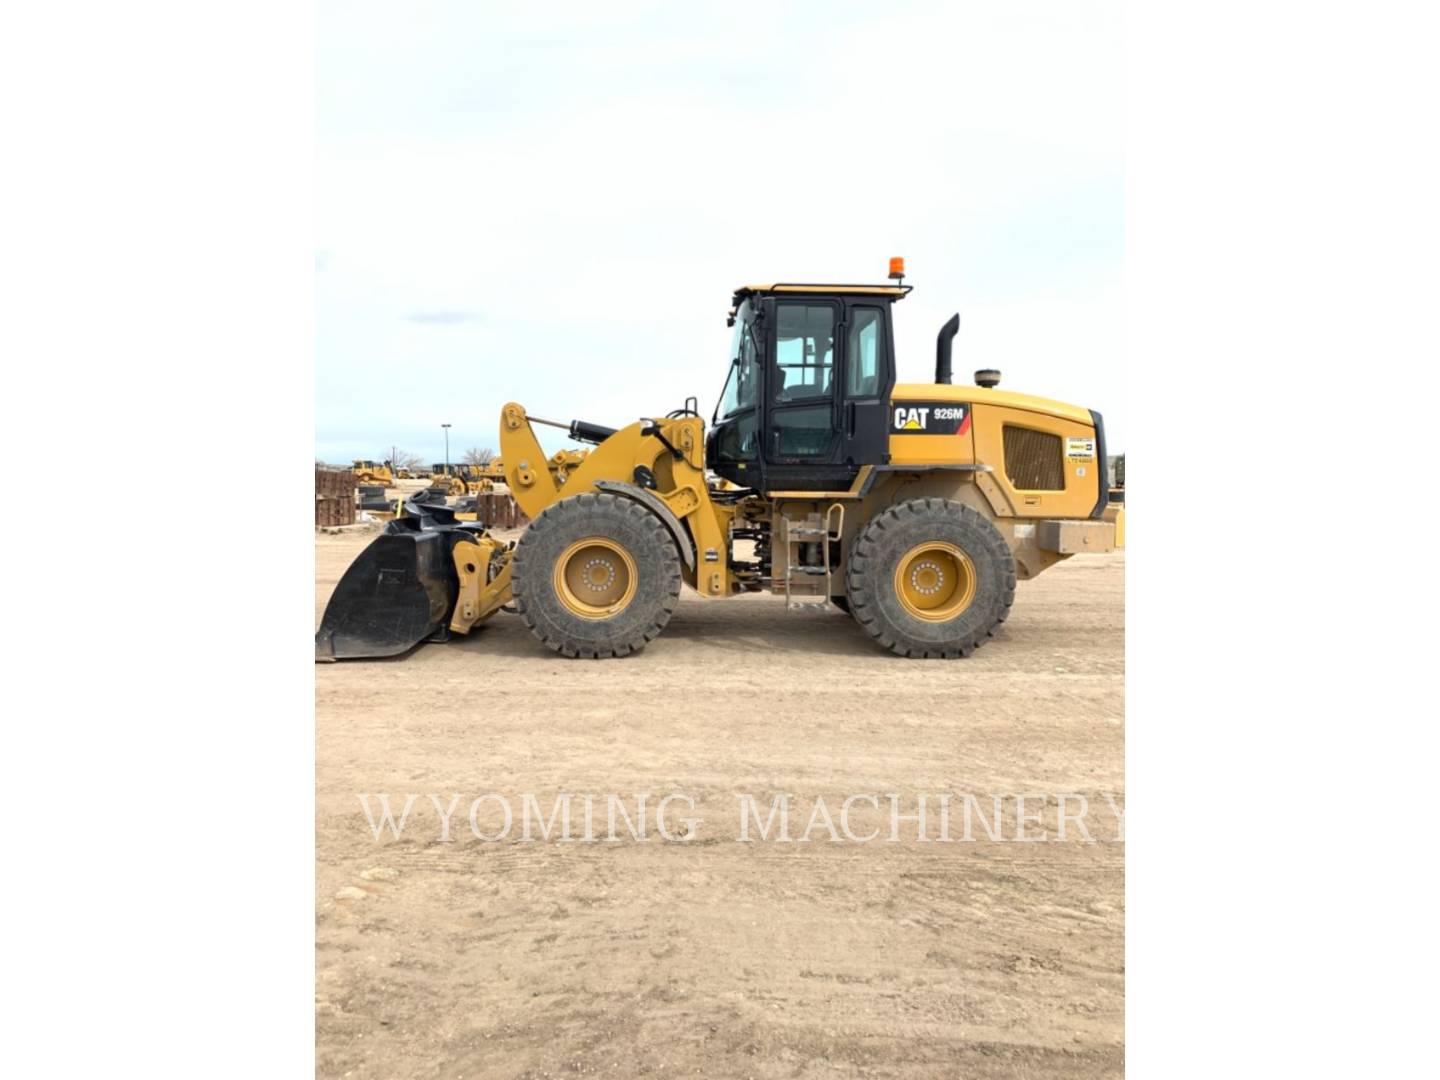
x: 1033, y: 460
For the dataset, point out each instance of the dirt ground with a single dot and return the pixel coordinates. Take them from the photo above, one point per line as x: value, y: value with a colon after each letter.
x: 714, y: 957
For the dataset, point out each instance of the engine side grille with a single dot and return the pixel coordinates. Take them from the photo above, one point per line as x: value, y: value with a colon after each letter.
x: 1033, y: 460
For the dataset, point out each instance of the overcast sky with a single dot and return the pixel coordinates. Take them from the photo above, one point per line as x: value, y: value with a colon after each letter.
x: 552, y: 205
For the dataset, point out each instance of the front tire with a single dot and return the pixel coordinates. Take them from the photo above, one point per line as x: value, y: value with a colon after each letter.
x: 930, y: 578
x: 596, y: 575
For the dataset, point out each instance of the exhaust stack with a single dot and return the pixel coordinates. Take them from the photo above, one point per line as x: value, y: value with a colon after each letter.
x: 942, y: 349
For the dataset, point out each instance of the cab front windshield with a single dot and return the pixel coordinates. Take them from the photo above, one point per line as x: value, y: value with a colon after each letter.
x: 739, y: 392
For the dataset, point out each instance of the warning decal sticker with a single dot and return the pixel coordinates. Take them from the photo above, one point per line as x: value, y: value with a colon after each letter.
x: 929, y: 418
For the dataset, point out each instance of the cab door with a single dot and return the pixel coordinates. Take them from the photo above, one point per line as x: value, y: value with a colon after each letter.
x: 829, y: 372
x: 803, y: 441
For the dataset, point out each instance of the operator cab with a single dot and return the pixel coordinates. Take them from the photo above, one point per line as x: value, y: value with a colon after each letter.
x: 805, y: 400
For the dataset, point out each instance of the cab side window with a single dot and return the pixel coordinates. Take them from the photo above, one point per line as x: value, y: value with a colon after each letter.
x: 863, y: 353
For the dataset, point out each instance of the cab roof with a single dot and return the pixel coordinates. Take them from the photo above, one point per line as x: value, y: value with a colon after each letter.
x: 895, y: 292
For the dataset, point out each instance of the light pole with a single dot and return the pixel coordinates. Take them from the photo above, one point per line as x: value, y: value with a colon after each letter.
x: 447, y: 448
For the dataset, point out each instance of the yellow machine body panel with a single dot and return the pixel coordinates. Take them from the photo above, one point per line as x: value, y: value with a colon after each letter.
x: 1037, y: 457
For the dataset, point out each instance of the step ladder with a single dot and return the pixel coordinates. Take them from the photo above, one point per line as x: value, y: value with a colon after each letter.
x: 809, y: 586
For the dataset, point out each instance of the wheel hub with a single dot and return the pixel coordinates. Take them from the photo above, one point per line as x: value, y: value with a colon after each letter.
x: 935, y: 581
x: 595, y: 577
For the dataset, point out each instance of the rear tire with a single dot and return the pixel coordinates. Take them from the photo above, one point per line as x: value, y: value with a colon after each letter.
x: 595, y: 576
x: 930, y: 578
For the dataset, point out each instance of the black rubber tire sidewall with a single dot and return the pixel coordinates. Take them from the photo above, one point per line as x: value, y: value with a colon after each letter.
x: 657, y: 572
x: 870, y: 577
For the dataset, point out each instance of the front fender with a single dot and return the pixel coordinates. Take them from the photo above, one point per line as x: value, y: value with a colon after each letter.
x: 651, y: 502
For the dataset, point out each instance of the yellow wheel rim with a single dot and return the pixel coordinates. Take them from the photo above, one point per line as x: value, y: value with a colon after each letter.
x: 935, y: 581
x: 595, y: 578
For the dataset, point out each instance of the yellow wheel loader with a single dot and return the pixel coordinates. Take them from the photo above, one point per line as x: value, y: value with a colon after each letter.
x: 561, y: 464
x: 915, y: 507
x: 447, y: 480
x: 564, y: 462
x: 464, y: 479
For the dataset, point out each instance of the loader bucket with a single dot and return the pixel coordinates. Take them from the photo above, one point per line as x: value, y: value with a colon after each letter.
x: 399, y: 592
